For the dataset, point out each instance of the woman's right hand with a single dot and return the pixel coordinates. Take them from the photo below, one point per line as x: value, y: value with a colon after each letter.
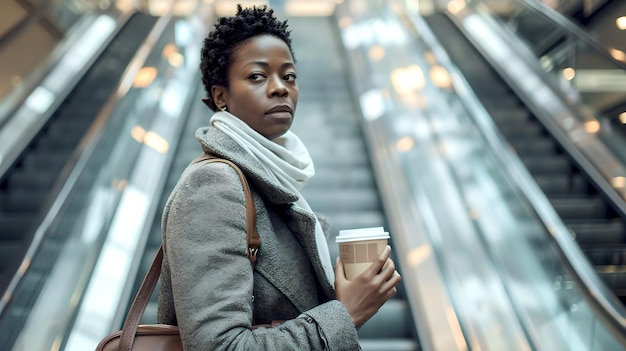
x: 364, y: 295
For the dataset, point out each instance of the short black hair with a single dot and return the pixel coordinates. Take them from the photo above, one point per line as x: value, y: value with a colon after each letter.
x: 218, y: 47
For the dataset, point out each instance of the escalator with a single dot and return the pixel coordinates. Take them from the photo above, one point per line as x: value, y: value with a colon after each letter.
x: 344, y: 188
x: 596, y: 224
x: 27, y: 188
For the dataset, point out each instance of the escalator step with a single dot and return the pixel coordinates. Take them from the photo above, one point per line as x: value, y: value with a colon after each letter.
x: 29, y: 180
x: 615, y: 280
x: 354, y: 200
x: 614, y: 255
x: 342, y: 149
x: 338, y: 164
x: 524, y: 130
x: 562, y: 184
x: 541, y: 145
x: 546, y: 164
x: 8, y: 250
x: 43, y: 160
x: 579, y: 207
x: 392, y: 321
x: 51, y: 141
x: 503, y: 115
x: 350, y: 178
x: 22, y: 200
x: 14, y: 226
x: 599, y: 232
x: 506, y: 103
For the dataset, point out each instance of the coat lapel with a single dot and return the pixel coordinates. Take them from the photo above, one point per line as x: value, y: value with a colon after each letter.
x: 302, y: 223
x: 280, y: 257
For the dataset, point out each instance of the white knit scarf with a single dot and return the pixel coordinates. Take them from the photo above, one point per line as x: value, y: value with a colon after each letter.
x: 285, y: 159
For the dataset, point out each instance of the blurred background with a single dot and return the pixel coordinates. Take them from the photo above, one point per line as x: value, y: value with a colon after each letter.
x: 487, y: 136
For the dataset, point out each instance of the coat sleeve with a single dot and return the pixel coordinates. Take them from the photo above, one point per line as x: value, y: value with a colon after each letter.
x: 212, y: 279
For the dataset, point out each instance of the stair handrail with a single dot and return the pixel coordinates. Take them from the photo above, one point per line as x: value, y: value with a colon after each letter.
x: 14, y: 107
x: 573, y: 29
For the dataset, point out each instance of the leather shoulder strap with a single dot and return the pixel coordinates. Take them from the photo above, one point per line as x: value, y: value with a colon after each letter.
x: 152, y: 277
x: 252, y: 236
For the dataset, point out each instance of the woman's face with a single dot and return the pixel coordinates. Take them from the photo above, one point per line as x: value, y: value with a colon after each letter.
x: 262, y: 86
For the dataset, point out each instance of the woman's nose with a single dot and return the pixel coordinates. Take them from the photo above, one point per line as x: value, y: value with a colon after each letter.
x: 277, y: 87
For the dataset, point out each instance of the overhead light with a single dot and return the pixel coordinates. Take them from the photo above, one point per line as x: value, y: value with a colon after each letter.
x: 408, y: 80
x: 138, y: 133
x: 405, y: 144
x: 622, y: 117
x: 569, y: 73
x: 455, y: 6
x: 592, y: 127
x: 176, y: 59
x: 621, y: 22
x: 372, y: 104
x: 619, y: 182
x: 156, y: 142
x: 440, y: 77
x: 313, y: 8
x: 229, y: 8
x: 145, y: 77
x: 377, y: 53
x: 618, y: 54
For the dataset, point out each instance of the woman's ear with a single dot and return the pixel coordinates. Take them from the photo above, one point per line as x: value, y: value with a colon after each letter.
x: 220, y: 96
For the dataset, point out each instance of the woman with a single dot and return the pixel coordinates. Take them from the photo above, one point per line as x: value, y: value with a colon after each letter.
x: 208, y: 287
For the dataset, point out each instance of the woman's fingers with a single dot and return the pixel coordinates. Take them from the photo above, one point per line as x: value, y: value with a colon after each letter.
x: 378, y: 264
x: 339, y: 272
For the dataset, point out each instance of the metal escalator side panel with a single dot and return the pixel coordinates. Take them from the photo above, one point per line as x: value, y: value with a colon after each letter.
x: 43, y: 169
x: 565, y: 194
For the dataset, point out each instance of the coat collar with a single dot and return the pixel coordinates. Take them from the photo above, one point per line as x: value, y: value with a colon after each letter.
x: 217, y: 143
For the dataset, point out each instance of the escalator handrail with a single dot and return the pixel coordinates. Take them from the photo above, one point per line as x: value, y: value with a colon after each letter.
x: 594, y: 291
x: 15, y: 101
x: 574, y: 30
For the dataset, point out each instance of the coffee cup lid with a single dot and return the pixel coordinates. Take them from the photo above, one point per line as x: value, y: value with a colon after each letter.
x: 373, y: 233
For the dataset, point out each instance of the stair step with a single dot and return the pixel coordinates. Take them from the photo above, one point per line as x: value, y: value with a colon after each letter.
x: 344, y: 200
x: 546, y: 164
x: 607, y: 256
x: 22, y: 200
x: 599, y: 232
x: 15, y: 225
x: 562, y: 184
x: 540, y: 145
x: 579, y: 207
x: 526, y: 130
x: 349, y: 178
x: 392, y: 321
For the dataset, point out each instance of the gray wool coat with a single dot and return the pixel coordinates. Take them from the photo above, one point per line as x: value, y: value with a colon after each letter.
x: 208, y: 287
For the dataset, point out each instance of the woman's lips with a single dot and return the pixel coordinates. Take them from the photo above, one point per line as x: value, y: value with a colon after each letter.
x: 280, y: 112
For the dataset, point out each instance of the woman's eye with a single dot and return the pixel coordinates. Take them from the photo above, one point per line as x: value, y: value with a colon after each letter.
x: 290, y: 77
x: 255, y: 76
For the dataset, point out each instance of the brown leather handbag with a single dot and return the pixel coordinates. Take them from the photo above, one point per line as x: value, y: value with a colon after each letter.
x: 162, y: 337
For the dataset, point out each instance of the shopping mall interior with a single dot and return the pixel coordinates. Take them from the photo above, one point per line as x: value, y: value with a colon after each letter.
x: 488, y: 137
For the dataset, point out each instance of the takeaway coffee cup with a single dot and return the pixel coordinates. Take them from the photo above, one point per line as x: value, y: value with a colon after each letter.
x: 358, y: 248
